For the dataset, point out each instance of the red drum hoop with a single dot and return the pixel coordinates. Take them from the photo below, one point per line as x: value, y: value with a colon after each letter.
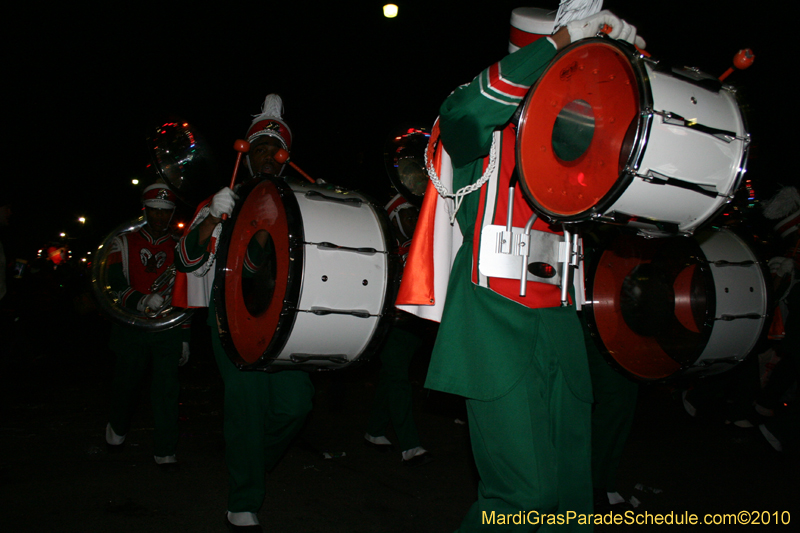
x: 247, y: 337
x: 590, y: 89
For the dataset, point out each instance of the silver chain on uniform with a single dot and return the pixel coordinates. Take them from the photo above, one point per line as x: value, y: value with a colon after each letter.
x: 459, y: 195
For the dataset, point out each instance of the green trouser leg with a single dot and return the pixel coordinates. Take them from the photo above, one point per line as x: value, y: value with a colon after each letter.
x: 393, y: 401
x: 532, y: 450
x: 136, y: 350
x: 263, y: 413
x: 612, y: 417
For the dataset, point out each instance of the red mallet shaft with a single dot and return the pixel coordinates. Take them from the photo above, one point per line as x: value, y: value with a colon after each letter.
x: 241, y: 147
x: 282, y: 156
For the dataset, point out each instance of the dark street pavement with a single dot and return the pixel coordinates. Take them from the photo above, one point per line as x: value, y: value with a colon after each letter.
x: 56, y: 474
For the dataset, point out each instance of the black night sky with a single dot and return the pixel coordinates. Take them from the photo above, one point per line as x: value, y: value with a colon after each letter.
x: 85, y: 85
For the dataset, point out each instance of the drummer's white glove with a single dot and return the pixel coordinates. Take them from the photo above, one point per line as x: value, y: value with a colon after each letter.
x: 184, y: 354
x: 150, y: 301
x: 780, y: 266
x: 588, y: 27
x: 223, y: 203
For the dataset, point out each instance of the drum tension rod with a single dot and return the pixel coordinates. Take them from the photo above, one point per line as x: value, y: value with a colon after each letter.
x: 331, y: 246
x: 660, y: 179
x: 322, y: 311
x: 353, y: 201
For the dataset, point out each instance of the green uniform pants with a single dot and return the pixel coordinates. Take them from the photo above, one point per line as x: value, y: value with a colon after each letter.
x: 393, y: 396
x: 263, y: 413
x: 612, y: 417
x: 532, y: 449
x: 136, y: 350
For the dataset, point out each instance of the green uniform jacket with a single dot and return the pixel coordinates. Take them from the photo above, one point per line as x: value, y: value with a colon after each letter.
x: 486, y: 341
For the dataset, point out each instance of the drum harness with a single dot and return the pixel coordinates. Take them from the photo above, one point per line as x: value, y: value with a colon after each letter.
x: 505, y: 250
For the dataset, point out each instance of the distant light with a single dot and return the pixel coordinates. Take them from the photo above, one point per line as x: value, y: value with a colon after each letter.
x: 62, y: 234
x: 82, y: 220
x: 390, y: 11
x: 135, y: 181
x: 83, y: 259
x: 180, y: 225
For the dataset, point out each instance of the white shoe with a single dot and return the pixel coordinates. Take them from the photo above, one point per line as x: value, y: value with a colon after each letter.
x: 772, y: 439
x: 380, y: 441
x: 112, y: 438
x: 243, y: 519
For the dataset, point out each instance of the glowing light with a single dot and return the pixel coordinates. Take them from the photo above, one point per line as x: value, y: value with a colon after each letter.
x: 390, y: 11
x: 82, y: 220
x: 180, y: 225
x: 62, y: 234
x: 135, y: 181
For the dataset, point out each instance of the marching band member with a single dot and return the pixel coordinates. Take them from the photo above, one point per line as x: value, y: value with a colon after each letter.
x: 136, y: 260
x: 263, y: 411
x: 393, y: 395
x: 520, y: 361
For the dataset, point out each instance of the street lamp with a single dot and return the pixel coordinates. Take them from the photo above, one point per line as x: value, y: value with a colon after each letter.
x: 390, y: 11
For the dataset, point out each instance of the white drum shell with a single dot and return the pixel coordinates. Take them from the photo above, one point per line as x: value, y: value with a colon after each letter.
x: 689, y: 155
x: 338, y: 279
x: 740, y: 290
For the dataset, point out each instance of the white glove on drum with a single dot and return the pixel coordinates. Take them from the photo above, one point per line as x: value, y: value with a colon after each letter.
x: 184, y: 354
x: 150, y: 301
x: 588, y: 27
x: 223, y: 203
x: 780, y: 266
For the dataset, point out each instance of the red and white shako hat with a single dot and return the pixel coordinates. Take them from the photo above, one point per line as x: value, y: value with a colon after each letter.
x: 529, y: 24
x: 158, y: 196
x: 270, y: 123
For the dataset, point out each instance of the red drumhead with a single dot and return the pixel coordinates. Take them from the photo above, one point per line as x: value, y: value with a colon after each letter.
x: 255, y: 287
x: 650, y: 302
x: 574, y: 126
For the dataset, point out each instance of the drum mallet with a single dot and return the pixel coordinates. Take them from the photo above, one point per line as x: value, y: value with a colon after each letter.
x: 241, y: 147
x: 742, y: 60
x: 282, y: 156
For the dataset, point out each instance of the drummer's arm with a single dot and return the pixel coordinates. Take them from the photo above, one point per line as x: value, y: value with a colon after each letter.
x: 206, y: 228
x: 473, y: 112
x: 191, y: 251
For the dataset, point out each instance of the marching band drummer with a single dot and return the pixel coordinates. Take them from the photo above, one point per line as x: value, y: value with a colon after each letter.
x: 263, y: 411
x: 519, y: 361
x: 136, y: 260
x: 393, y: 403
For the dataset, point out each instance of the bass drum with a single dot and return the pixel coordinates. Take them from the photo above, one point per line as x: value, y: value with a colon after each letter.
x: 608, y: 135
x: 308, y: 278
x: 664, y: 308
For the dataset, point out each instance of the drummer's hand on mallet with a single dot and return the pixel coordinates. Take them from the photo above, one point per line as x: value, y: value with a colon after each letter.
x: 221, y: 206
x: 222, y: 203
x: 607, y: 22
